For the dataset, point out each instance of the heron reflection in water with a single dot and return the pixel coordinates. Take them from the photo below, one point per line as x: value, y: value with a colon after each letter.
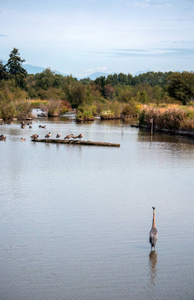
x: 153, y: 265
x: 153, y: 237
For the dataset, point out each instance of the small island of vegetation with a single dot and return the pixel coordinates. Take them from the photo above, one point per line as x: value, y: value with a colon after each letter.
x: 165, y: 98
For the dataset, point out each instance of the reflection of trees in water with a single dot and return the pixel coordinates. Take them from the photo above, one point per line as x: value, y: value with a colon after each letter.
x: 153, y: 266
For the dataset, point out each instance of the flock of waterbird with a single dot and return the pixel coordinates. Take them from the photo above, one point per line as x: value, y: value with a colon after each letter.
x: 67, y: 137
x: 36, y: 136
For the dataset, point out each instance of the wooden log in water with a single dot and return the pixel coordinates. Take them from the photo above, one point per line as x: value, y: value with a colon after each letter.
x: 76, y: 142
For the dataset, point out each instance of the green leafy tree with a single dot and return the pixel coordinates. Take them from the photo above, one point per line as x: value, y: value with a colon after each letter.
x: 100, y: 82
x: 15, y: 69
x: 112, y: 79
x: 152, y: 78
x: 125, y: 96
x: 85, y: 81
x: 142, y: 97
x: 89, y: 98
x: 181, y: 86
x: 130, y: 79
x: 78, y: 94
x: 67, y: 88
x: 48, y: 79
x: 123, y: 79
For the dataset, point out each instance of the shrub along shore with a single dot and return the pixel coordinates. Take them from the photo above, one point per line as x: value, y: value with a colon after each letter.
x: 174, y: 119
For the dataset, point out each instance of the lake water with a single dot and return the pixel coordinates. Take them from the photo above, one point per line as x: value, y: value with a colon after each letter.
x: 75, y: 220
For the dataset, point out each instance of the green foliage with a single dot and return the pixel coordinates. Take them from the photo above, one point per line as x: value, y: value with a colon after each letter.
x: 71, y: 91
x: 86, y: 81
x: 52, y: 107
x: 100, y: 82
x: 7, y: 109
x: 112, y: 109
x: 50, y: 93
x: 129, y: 110
x: 86, y: 112
x: 23, y: 109
x: 88, y: 98
x: 152, y: 78
x: 48, y: 79
x: 142, y: 97
x: 13, y: 102
x: 78, y: 94
x: 15, y: 69
x: 121, y: 78
x: 3, y: 72
x: 65, y: 107
x: 125, y: 96
x: 181, y: 86
x: 37, y: 103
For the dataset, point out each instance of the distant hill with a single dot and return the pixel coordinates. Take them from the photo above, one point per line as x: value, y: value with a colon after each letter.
x: 34, y: 69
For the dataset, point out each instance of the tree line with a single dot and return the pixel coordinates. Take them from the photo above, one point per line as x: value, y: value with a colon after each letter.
x: 155, y: 87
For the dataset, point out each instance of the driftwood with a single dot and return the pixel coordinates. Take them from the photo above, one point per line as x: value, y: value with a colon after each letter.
x: 76, y: 142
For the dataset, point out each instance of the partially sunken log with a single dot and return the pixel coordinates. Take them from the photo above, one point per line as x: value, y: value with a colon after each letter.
x: 76, y: 142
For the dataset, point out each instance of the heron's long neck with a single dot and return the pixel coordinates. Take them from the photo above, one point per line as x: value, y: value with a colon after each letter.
x: 154, y: 221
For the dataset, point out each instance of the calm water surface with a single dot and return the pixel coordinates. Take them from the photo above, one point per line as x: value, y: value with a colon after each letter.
x: 75, y: 220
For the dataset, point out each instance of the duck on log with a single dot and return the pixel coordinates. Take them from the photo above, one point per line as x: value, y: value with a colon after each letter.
x: 76, y: 142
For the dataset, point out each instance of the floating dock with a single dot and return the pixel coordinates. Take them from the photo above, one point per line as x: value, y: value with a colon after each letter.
x: 76, y: 142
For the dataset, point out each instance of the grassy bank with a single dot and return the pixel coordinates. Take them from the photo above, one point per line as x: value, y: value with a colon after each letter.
x: 172, y: 117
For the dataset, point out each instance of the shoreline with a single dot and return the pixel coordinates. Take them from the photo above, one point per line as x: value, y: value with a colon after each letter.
x: 189, y: 134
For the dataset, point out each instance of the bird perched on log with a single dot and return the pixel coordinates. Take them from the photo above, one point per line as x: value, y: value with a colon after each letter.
x: 67, y: 137
x: 2, y: 137
x: 58, y: 135
x: 34, y: 137
x: 47, y: 136
x: 80, y: 136
x: 153, y: 236
x: 73, y: 136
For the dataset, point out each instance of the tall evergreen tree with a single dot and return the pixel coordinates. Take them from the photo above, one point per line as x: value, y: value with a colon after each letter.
x: 15, y: 69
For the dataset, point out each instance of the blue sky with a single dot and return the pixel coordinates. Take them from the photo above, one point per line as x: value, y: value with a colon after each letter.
x: 80, y: 37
